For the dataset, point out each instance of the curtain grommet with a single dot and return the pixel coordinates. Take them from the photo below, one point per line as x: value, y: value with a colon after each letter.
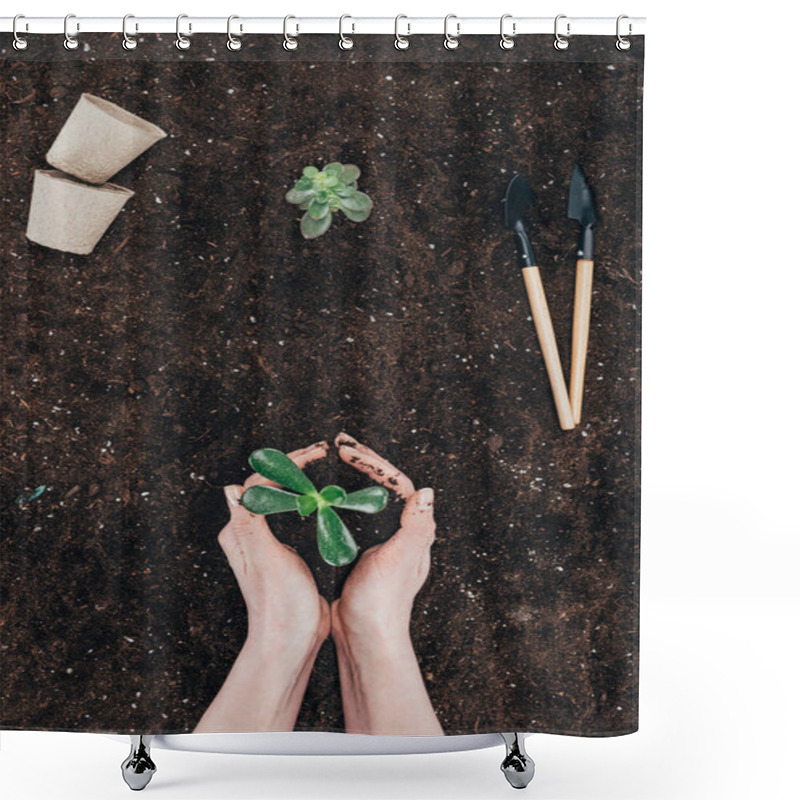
x: 128, y: 42
x: 181, y: 41
x: 19, y: 42
x: 451, y: 41
x: 234, y: 43
x: 290, y: 42
x: 561, y: 42
x: 507, y: 41
x: 401, y: 42
x: 345, y: 42
x: 70, y: 42
x: 623, y: 43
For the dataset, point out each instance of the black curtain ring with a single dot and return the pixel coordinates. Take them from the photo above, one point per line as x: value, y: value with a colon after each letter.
x: 289, y: 42
x: 622, y: 42
x: 128, y: 42
x: 19, y: 42
x: 561, y: 42
x: 451, y: 41
x: 181, y: 41
x: 70, y: 42
x: 506, y: 40
x: 401, y: 42
x: 345, y: 42
x: 234, y: 42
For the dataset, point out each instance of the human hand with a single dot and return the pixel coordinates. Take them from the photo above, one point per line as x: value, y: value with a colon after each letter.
x: 383, y: 692
x: 379, y: 593
x: 284, y: 606
x: 287, y: 622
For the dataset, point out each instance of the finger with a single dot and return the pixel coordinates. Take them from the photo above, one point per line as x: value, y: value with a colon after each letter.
x: 301, y: 457
x: 308, y: 454
x: 417, y: 525
x: 245, y: 531
x: 324, y: 618
x: 335, y: 620
x: 239, y: 514
x: 346, y: 440
x: 370, y: 463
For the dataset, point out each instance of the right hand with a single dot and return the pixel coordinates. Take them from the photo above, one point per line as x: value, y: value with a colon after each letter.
x: 284, y: 607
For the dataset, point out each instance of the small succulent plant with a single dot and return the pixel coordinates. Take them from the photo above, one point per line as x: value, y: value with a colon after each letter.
x: 320, y: 193
x: 335, y: 542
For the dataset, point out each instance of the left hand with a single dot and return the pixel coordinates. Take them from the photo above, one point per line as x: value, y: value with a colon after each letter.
x: 378, y: 595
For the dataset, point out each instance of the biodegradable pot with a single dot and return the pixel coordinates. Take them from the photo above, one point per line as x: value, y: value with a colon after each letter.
x: 72, y: 216
x: 99, y: 139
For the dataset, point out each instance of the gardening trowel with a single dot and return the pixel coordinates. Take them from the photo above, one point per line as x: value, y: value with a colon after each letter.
x: 581, y: 208
x: 519, y: 198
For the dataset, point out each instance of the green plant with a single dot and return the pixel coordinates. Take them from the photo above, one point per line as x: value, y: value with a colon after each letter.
x: 335, y: 542
x: 320, y: 193
x: 29, y: 498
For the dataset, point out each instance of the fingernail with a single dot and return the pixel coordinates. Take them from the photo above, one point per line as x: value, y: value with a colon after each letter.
x: 425, y: 498
x: 345, y: 439
x: 233, y: 494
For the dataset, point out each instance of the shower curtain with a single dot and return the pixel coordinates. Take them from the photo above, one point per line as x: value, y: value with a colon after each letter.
x: 320, y: 385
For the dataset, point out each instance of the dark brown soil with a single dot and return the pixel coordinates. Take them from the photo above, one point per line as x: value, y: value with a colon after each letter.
x: 137, y: 380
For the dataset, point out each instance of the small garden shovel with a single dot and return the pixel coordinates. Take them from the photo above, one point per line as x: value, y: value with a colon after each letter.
x: 519, y: 198
x: 581, y: 208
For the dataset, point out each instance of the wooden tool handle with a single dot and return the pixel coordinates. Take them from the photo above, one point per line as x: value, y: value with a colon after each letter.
x: 547, y: 340
x: 580, y: 335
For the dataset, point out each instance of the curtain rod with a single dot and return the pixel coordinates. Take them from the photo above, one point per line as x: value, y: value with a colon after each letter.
x: 567, y: 26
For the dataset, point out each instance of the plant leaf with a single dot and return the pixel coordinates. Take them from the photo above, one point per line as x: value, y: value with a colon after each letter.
x: 355, y: 216
x: 328, y: 180
x: 345, y: 191
x: 336, y: 544
x: 310, y: 172
x: 269, y: 500
x: 298, y: 195
x: 312, y: 228
x: 334, y: 495
x: 318, y: 209
x: 303, y: 184
x: 27, y: 498
x: 307, y: 202
x: 350, y: 173
x: 306, y: 504
x: 277, y: 466
x: 358, y: 202
x: 369, y: 501
x: 334, y: 168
